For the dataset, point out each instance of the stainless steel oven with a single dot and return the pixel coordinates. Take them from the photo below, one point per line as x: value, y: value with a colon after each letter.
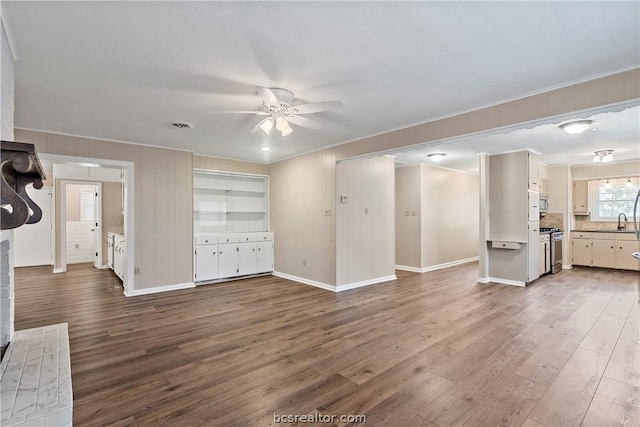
x: 556, y: 251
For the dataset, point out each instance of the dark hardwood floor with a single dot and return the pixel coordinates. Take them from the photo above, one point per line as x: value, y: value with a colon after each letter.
x: 427, y: 349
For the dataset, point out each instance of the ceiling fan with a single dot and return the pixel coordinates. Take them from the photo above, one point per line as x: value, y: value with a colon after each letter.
x: 276, y: 103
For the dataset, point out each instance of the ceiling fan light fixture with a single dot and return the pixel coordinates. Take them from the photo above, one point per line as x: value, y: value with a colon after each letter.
x: 266, y: 125
x: 596, y: 158
x: 577, y: 127
x: 436, y: 157
x: 287, y: 131
x: 281, y: 123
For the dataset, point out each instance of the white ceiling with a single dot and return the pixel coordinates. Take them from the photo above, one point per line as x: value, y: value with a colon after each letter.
x: 124, y: 70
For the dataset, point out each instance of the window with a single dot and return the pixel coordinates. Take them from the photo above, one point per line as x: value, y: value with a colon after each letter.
x: 610, y: 200
x: 87, y: 208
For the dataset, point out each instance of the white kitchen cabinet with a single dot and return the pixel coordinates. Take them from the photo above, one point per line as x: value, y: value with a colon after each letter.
x: 534, y: 171
x: 602, y: 249
x: 110, y: 238
x: 206, y: 259
x: 119, y: 255
x: 544, y: 254
x: 624, y: 260
x: 534, y: 206
x: 247, y: 258
x: 603, y: 253
x: 580, y: 198
x: 581, y: 251
x: 532, y: 252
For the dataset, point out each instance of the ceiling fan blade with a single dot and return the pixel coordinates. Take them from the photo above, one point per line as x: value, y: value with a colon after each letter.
x: 256, y: 112
x: 316, y: 107
x: 303, y: 122
x: 267, y: 96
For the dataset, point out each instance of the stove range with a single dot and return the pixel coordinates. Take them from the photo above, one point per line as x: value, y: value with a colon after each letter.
x: 549, y: 230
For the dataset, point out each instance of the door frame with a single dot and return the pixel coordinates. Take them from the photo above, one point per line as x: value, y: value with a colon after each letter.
x: 128, y: 183
x: 97, y: 238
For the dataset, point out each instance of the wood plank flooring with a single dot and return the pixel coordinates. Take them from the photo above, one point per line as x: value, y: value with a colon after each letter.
x: 432, y: 349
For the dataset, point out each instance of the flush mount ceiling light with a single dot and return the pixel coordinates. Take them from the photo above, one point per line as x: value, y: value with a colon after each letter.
x: 577, y: 127
x: 266, y: 148
x: 603, y: 156
x: 436, y: 157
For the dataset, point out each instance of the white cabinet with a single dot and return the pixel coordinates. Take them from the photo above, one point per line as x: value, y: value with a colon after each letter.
x: 534, y: 171
x: 119, y: 255
x: 228, y: 260
x: 534, y: 206
x: 607, y: 250
x: 264, y: 256
x: 206, y: 259
x: 225, y: 256
x: 544, y: 252
x: 110, y: 238
x: 532, y: 252
x: 580, y: 198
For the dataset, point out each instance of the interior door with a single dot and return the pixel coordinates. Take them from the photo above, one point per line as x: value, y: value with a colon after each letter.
x: 33, y: 242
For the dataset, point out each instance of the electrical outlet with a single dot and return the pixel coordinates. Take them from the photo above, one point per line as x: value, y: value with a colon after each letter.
x: 304, y: 261
x: 136, y: 270
x: 77, y: 246
x: 327, y: 212
x: 407, y: 213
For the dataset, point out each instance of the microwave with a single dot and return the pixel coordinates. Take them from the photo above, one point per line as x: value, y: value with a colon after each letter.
x: 544, y: 204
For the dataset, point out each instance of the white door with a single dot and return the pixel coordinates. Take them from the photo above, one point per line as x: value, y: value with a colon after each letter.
x: 228, y: 260
x: 264, y: 259
x: 32, y: 242
x: 206, y: 262
x: 247, y: 258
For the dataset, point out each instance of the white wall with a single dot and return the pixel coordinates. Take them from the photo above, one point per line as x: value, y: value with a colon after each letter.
x: 365, y: 224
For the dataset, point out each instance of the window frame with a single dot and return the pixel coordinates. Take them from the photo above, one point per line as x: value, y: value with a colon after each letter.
x: 594, y: 200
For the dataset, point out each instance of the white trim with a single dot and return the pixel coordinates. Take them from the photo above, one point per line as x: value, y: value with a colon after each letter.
x: 504, y: 281
x: 567, y: 266
x: 409, y: 268
x: 159, y: 289
x: 221, y: 172
x: 119, y: 141
x: 340, y: 288
x: 59, y: 270
x: 8, y: 31
x: 437, y: 266
x: 305, y: 281
x: 483, y: 280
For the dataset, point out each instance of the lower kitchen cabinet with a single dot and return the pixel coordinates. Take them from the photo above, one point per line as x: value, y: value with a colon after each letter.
x: 117, y: 254
x: 604, y: 254
x: 232, y: 255
x: 607, y: 250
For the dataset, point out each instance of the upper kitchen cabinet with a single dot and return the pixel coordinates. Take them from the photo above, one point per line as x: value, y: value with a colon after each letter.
x: 229, y: 203
x: 534, y: 171
x: 580, y: 198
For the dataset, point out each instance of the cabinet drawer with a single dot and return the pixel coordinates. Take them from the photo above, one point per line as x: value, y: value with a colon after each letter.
x: 505, y: 245
x: 228, y: 238
x: 581, y: 235
x: 263, y: 237
x: 247, y: 238
x: 206, y: 240
x: 545, y: 238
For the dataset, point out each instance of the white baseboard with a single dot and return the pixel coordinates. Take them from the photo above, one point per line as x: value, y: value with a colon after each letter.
x: 346, y: 287
x: 104, y: 267
x: 567, y: 266
x: 437, y: 266
x: 59, y: 270
x: 159, y: 289
x: 305, y: 281
x: 501, y: 281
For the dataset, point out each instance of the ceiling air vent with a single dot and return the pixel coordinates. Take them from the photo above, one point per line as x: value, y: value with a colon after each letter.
x: 181, y: 125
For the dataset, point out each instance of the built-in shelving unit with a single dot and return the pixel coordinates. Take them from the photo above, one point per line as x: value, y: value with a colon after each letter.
x: 229, y: 203
x: 230, y: 226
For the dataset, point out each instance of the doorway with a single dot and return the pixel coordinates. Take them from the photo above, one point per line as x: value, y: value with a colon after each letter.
x: 83, y: 222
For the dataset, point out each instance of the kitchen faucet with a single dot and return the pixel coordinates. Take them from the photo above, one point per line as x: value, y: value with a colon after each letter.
x: 622, y: 227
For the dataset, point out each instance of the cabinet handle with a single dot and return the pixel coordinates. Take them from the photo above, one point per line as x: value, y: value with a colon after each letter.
x: 612, y: 247
x: 620, y: 247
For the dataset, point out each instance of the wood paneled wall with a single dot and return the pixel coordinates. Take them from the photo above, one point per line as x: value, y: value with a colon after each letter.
x: 163, y: 202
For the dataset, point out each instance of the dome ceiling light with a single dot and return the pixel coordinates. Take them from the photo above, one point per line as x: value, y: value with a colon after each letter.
x: 577, y: 127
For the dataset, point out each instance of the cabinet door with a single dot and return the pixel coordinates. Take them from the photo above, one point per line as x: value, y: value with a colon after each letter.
x: 228, y: 260
x: 542, y: 252
x: 581, y: 249
x: 580, y: 196
x: 206, y: 263
x: 533, y: 252
x: 110, y: 250
x: 603, y: 253
x: 534, y: 172
x: 122, y: 254
x: 534, y: 206
x: 264, y: 260
x: 547, y: 257
x: 624, y: 260
x: 247, y: 258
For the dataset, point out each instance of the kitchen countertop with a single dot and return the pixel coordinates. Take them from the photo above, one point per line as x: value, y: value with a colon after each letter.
x: 602, y: 231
